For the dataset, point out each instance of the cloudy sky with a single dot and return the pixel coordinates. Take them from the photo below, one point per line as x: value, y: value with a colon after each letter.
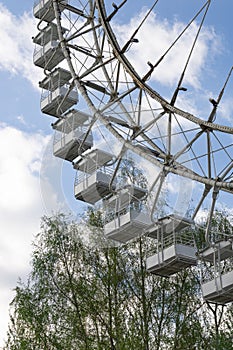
x: 25, y: 135
x: 26, y: 165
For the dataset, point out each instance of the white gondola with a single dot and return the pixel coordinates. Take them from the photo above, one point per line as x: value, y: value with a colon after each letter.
x: 57, y: 95
x: 43, y: 9
x: 174, y: 253
x: 218, y: 251
x: 94, y: 176
x: 127, y: 217
x: 217, y: 275
x: 168, y: 224
x: 47, y: 34
x: 127, y: 226
x: 71, y: 138
x: 48, y: 56
x: 219, y: 289
x: 48, y: 53
x: 126, y: 195
x: 175, y: 247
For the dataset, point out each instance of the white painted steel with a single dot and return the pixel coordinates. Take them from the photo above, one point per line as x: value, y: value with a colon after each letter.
x: 127, y: 226
x: 219, y: 289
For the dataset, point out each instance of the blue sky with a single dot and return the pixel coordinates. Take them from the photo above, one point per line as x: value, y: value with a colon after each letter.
x: 27, y: 166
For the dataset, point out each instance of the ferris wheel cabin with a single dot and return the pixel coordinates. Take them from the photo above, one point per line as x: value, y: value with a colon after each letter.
x: 43, y: 9
x: 217, y: 274
x: 175, y: 247
x: 219, y: 289
x: 125, y: 196
x: 71, y: 137
x: 94, y: 176
x: 127, y: 217
x: 58, y: 95
x: 47, y: 34
x: 169, y: 224
x: 217, y: 251
x: 48, y: 52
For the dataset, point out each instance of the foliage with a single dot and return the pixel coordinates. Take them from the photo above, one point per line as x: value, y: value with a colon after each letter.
x: 102, y: 298
x: 131, y: 173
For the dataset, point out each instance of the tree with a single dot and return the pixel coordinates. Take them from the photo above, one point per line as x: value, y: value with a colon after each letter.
x: 102, y: 298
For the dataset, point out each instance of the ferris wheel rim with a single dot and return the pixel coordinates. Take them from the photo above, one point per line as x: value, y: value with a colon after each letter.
x: 125, y: 194
x: 139, y: 81
x: 174, y: 168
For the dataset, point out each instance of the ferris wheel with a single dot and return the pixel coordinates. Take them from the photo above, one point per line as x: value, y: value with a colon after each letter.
x: 119, y: 96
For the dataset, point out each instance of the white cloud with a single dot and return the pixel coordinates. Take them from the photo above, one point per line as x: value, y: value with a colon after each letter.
x: 225, y: 110
x: 16, y: 47
x: 20, y: 207
x: 21, y: 119
x: 52, y: 173
x: 156, y: 36
x: 30, y: 186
